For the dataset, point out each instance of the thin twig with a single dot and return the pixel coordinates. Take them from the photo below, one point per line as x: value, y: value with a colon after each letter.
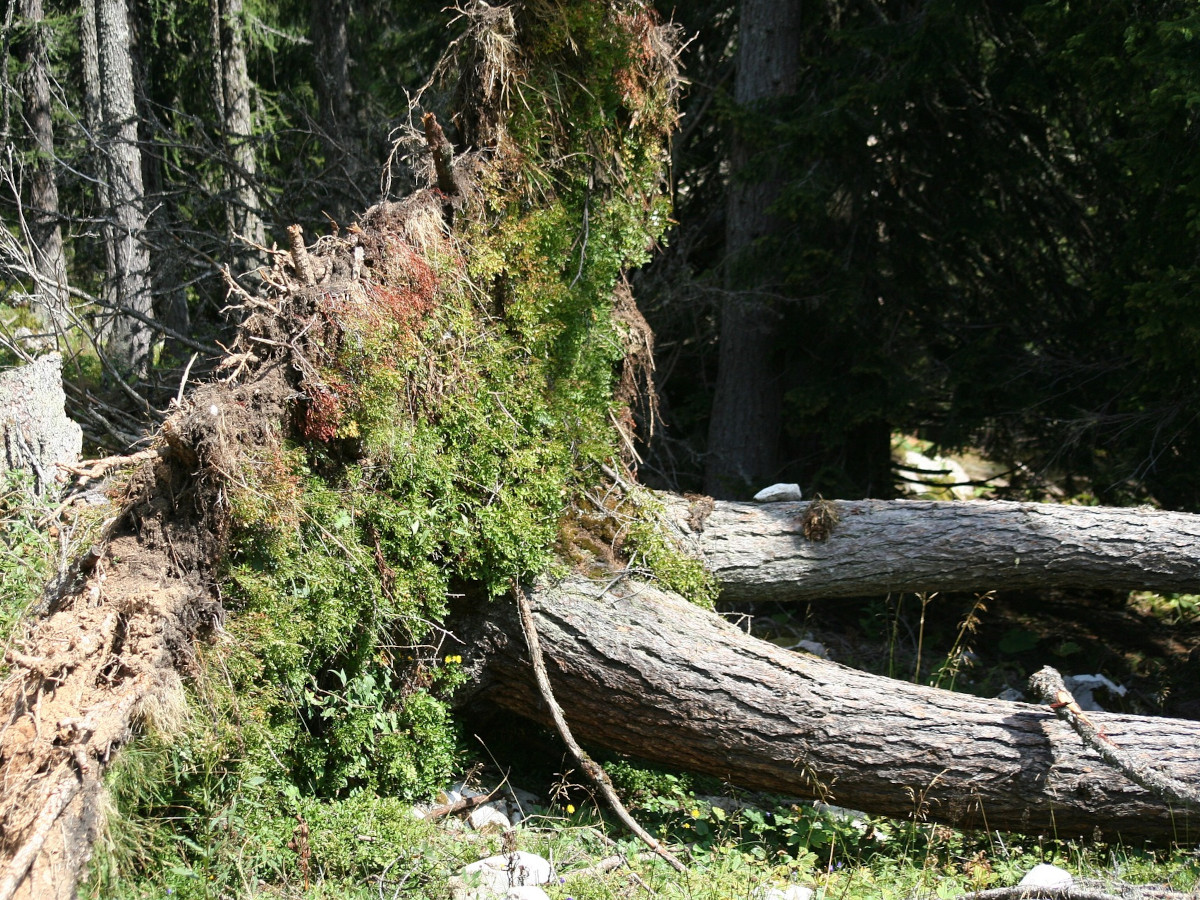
x: 1048, y: 684
x: 589, y: 766
x: 183, y: 381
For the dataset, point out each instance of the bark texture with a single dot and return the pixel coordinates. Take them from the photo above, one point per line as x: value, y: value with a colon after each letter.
x: 89, y: 53
x: 242, y: 207
x: 644, y: 672
x: 759, y: 551
x: 744, y: 430
x: 45, y: 233
x: 129, y: 340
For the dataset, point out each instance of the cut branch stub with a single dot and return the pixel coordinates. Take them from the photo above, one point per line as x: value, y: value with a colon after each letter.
x: 443, y: 155
x: 301, y: 261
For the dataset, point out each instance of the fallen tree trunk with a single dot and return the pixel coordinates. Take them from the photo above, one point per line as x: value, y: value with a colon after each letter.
x: 759, y: 551
x: 643, y: 672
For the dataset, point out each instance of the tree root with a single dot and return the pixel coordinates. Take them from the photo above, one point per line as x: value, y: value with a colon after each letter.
x: 589, y: 766
x: 19, y: 865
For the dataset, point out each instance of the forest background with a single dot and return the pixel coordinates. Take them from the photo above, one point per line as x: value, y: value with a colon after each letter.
x: 973, y: 223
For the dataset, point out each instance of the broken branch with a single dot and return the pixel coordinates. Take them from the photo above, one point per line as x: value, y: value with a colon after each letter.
x: 590, y: 767
x: 1048, y: 684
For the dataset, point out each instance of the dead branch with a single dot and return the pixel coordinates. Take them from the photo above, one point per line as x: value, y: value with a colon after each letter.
x: 301, y: 261
x: 90, y: 471
x: 466, y: 804
x: 443, y: 155
x: 1089, y: 890
x: 590, y: 767
x: 1048, y: 684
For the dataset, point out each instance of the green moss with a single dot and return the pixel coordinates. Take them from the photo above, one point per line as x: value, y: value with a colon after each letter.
x: 462, y: 405
x: 650, y: 541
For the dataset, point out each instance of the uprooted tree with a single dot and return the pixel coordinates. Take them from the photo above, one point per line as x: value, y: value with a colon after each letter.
x: 435, y: 404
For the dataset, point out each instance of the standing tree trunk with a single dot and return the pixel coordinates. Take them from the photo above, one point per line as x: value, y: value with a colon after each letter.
x: 744, y: 432
x: 92, y: 118
x: 331, y: 42
x: 233, y: 81
x: 128, y: 339
x: 45, y: 233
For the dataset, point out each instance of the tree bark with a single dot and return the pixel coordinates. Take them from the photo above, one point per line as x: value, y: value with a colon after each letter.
x: 93, y: 117
x: 643, y: 672
x: 759, y: 552
x: 45, y: 233
x: 744, y: 430
x: 128, y: 340
x: 330, y: 20
x: 233, y: 79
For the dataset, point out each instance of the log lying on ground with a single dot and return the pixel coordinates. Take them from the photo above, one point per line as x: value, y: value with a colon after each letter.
x: 643, y: 672
x: 759, y: 552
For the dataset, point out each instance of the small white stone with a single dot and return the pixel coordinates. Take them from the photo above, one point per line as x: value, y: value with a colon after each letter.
x: 1082, y: 687
x: 213, y: 410
x: 488, y: 818
x: 1044, y: 875
x: 778, y: 493
x: 526, y: 869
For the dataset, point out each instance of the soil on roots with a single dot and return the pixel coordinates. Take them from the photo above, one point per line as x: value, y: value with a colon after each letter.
x: 110, y: 654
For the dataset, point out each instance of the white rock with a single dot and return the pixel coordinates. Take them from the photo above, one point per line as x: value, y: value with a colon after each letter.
x: 488, y: 818
x: 526, y: 892
x: 791, y: 892
x: 1082, y: 688
x: 524, y: 799
x: 1044, y: 875
x: 778, y: 493
x: 495, y: 871
x: 934, y: 473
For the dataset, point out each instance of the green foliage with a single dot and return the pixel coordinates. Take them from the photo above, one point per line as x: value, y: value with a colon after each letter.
x: 27, y: 552
x: 464, y: 398
x: 649, y: 540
